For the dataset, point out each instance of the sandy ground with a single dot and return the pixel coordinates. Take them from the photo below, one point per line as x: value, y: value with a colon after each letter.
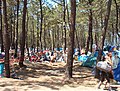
x: 48, y: 77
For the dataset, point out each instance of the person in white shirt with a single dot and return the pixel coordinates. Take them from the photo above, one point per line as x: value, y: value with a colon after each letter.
x: 115, y: 60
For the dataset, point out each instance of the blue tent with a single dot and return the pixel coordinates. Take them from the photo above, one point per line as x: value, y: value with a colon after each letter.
x: 90, y: 62
x: 116, y: 73
x: 82, y: 58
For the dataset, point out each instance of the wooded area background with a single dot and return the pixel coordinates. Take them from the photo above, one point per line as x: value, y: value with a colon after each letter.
x: 64, y: 24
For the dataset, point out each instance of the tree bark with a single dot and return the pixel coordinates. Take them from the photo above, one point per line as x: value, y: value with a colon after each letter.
x: 69, y: 64
x: 37, y: 33
x: 116, y: 25
x: 23, y: 34
x: 1, y: 33
x: 6, y: 40
x: 16, y: 40
x: 90, y: 38
x: 44, y: 34
x: 41, y: 18
x: 64, y: 23
x: 106, y: 21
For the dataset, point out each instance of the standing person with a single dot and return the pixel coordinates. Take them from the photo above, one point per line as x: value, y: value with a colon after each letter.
x: 106, y: 75
x: 115, y: 60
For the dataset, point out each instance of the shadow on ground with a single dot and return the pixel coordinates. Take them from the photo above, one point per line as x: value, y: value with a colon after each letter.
x: 51, y: 76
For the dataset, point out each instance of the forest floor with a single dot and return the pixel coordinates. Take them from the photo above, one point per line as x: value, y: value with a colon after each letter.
x: 47, y: 77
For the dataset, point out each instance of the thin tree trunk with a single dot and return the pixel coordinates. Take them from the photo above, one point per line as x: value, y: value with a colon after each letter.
x: 11, y: 28
x: 58, y: 45
x: 16, y: 44
x: 23, y: 34
x: 53, y: 41
x: 37, y: 33
x: 27, y: 47
x: 6, y: 40
x: 113, y: 35
x: 1, y: 33
x: 44, y: 34
x: 14, y: 30
x: 116, y: 25
x: 96, y: 31
x: 78, y: 46
x: 69, y: 64
x: 64, y: 23
x: 33, y: 36
x: 90, y: 38
x: 106, y: 21
x: 41, y: 18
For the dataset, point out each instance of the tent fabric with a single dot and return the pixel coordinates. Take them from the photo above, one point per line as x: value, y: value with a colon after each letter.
x: 116, y: 73
x: 82, y: 58
x: 90, y: 62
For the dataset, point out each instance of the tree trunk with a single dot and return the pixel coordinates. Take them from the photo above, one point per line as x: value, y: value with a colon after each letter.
x: 90, y: 38
x: 96, y: 31
x: 33, y: 36
x: 64, y: 24
x: 23, y: 34
x: 37, y: 33
x: 116, y: 25
x: 27, y: 47
x: 41, y: 18
x: 1, y: 33
x: 16, y: 42
x: 106, y: 21
x: 69, y: 64
x: 12, y: 28
x: 44, y: 34
x: 6, y: 40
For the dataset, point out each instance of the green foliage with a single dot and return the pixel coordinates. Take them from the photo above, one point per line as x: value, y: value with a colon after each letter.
x: 53, y: 17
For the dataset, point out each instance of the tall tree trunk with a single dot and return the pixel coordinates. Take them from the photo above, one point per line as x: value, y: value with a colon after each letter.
x: 113, y: 35
x: 41, y: 18
x: 90, y: 38
x: 16, y: 42
x: 78, y: 46
x: 58, y: 45
x: 14, y: 26
x: 106, y: 21
x: 33, y: 36
x: 27, y: 47
x: 53, y: 39
x: 64, y: 23
x: 23, y: 34
x: 116, y: 25
x: 6, y: 40
x: 96, y: 31
x: 37, y: 33
x: 1, y: 33
x: 44, y: 34
x: 69, y: 64
x: 11, y: 27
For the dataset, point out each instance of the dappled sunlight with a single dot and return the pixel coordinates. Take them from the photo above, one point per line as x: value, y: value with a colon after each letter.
x: 51, y: 76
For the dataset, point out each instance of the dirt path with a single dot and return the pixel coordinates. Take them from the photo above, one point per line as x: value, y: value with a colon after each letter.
x: 47, y: 77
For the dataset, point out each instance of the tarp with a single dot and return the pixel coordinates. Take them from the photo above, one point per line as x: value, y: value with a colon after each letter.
x: 116, y: 73
x: 82, y: 58
x: 90, y: 62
